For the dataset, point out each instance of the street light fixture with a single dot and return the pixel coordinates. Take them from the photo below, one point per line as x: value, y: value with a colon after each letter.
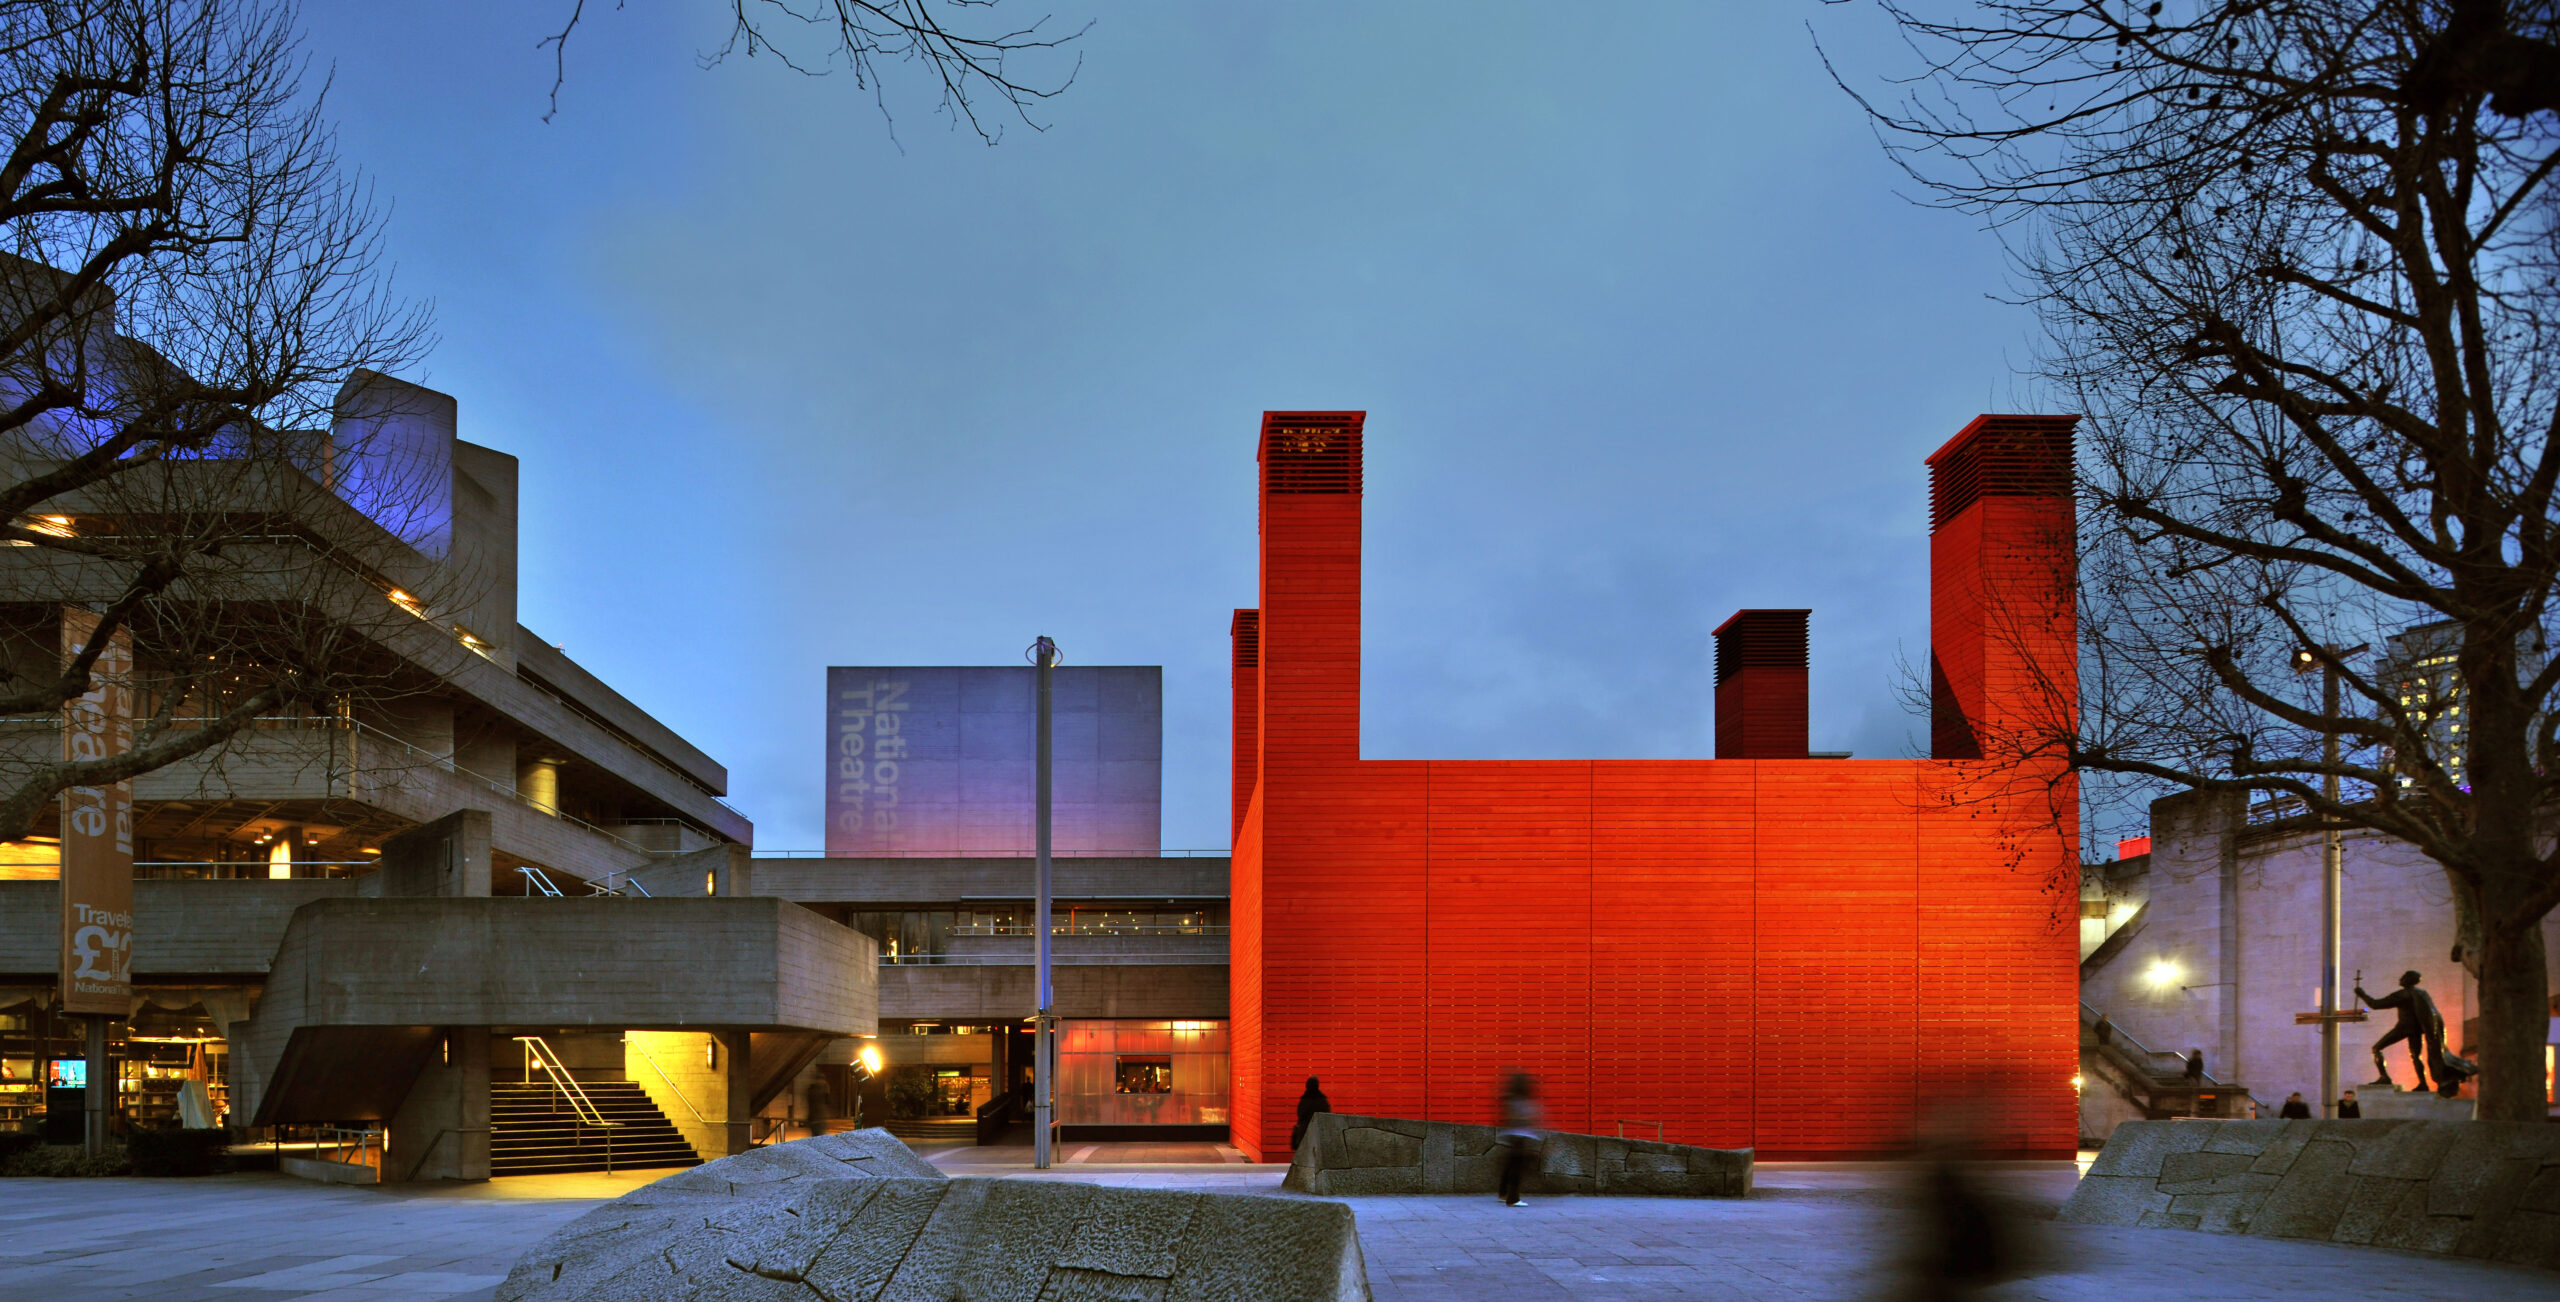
x: 2332, y: 852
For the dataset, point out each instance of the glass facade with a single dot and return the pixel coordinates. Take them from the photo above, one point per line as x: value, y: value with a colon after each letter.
x: 925, y: 935
x: 1128, y: 1072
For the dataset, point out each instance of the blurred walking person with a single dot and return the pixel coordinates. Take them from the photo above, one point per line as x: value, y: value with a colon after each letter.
x: 1523, y: 1143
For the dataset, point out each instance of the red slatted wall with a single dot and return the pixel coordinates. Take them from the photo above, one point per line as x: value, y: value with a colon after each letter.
x: 1799, y: 956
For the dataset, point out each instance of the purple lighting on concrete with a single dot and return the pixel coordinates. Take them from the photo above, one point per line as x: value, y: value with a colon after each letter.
x: 938, y: 760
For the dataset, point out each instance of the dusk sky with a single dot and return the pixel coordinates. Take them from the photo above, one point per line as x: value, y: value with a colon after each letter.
x: 1643, y: 327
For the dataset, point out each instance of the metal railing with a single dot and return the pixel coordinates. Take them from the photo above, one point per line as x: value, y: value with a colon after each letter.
x: 637, y: 747
x: 538, y: 1054
x: 2142, y: 1054
x: 1024, y: 958
x: 508, y: 790
x: 998, y: 854
x: 426, y: 758
x: 1657, y: 1128
x: 1092, y: 929
x: 245, y: 869
x: 350, y: 1147
x: 672, y: 1087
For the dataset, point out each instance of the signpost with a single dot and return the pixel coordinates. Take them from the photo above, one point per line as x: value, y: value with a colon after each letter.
x: 2332, y: 853
x: 1044, y: 1033
x: 97, y: 859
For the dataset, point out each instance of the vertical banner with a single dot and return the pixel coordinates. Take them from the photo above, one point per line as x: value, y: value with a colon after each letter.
x: 97, y: 831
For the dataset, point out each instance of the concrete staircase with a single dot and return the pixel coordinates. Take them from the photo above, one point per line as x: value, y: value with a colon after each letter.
x: 533, y: 1131
x: 935, y: 1129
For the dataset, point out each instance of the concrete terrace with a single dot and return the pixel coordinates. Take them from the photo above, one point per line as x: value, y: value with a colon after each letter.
x: 1810, y: 1231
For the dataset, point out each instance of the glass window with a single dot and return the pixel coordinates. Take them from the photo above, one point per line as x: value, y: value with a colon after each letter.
x: 1146, y: 1076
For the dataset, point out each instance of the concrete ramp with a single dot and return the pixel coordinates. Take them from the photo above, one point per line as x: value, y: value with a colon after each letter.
x: 2485, y: 1189
x: 858, y: 1216
x: 1345, y: 1154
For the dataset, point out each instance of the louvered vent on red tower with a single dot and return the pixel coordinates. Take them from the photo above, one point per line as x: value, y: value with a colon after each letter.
x: 2000, y: 456
x: 1311, y: 451
x: 1247, y: 632
x: 1763, y: 639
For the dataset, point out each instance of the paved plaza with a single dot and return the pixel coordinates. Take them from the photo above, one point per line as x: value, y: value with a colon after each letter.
x: 1810, y: 1231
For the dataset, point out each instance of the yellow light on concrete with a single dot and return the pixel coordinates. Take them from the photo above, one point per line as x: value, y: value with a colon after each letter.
x: 2164, y: 973
x: 280, y: 859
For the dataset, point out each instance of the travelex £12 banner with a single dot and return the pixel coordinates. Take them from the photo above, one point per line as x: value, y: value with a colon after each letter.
x: 97, y: 830
x: 939, y: 760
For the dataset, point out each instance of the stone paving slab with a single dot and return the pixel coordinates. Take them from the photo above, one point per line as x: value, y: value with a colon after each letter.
x: 1814, y: 1231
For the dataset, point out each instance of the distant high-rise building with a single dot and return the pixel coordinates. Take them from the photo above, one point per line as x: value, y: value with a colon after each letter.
x: 2420, y: 666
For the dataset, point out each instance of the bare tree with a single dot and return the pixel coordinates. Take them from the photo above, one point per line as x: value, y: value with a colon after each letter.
x: 969, y: 54
x: 189, y: 277
x: 2295, y: 260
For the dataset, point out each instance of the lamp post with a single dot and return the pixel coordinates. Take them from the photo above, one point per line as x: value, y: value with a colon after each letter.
x: 1044, y: 1024
x: 2332, y: 855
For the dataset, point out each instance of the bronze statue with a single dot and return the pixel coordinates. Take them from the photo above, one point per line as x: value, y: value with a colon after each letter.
x: 2418, y: 1023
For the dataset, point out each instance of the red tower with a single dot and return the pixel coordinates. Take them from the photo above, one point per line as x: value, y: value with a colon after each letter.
x: 1792, y: 954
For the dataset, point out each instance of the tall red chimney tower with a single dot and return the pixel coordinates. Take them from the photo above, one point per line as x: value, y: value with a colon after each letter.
x: 1762, y: 659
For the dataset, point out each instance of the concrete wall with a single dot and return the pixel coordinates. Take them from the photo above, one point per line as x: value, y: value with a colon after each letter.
x: 604, y: 962
x: 991, y: 992
x: 570, y: 679
x: 727, y: 870
x: 2234, y: 913
x: 441, y: 1131
x: 675, y: 1069
x: 190, y: 928
x: 483, y: 562
x: 448, y: 858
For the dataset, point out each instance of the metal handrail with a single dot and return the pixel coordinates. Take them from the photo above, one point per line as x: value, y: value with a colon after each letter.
x: 982, y: 932
x: 999, y: 854
x: 538, y: 1053
x: 360, y: 1144
x: 1001, y: 960
x: 672, y: 1087
x: 2116, y: 1030
x: 538, y: 882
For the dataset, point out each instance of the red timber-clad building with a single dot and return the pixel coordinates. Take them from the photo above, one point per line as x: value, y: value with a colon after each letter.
x: 1801, y: 955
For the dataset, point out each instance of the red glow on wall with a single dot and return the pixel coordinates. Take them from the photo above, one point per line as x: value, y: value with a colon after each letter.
x: 1800, y: 956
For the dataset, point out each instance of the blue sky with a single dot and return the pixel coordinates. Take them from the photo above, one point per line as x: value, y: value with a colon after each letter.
x: 1644, y: 331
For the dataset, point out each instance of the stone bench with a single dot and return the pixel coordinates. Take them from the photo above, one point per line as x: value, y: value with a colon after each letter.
x: 857, y: 1215
x: 2483, y: 1189
x: 1345, y: 1154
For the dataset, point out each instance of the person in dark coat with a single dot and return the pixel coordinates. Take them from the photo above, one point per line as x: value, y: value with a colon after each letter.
x: 2417, y: 1022
x: 2294, y: 1108
x: 2195, y: 1066
x: 1309, y: 1104
x: 2348, y: 1108
x: 821, y: 1105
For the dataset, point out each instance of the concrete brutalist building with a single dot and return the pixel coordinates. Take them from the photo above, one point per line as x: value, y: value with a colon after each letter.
x: 406, y: 918
x: 2206, y: 938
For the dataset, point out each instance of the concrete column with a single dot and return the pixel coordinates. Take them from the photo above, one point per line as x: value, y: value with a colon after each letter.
x: 539, y: 782
x: 736, y: 1087
x: 441, y: 1131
